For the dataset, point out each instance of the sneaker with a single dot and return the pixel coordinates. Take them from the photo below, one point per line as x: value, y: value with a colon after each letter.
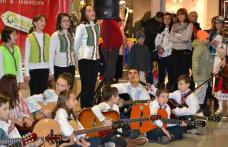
x: 163, y: 140
x: 218, y: 112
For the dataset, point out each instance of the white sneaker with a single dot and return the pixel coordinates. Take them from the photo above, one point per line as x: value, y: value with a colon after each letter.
x: 218, y: 112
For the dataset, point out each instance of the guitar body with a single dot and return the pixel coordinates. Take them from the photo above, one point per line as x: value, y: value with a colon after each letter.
x: 88, y: 120
x: 46, y: 126
x: 49, y: 107
x: 140, y: 110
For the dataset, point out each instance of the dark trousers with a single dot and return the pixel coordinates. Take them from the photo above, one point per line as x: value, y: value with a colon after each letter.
x: 149, y: 77
x: 164, y: 67
x: 181, y: 62
x: 39, y: 80
x: 176, y: 131
x: 110, y: 64
x: 88, y: 70
x: 119, y: 67
x: 59, y: 70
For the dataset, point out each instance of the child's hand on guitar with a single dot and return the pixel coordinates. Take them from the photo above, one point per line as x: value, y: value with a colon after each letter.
x: 166, y: 132
x: 85, y: 143
x: 17, y: 122
x: 107, y: 122
x: 46, y: 113
x: 82, y: 142
x: 174, y: 111
x: 27, y: 121
x: 183, y: 124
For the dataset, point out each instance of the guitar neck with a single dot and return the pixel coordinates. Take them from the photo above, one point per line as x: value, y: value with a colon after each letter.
x: 175, y: 121
x: 96, y: 129
x: 127, y: 121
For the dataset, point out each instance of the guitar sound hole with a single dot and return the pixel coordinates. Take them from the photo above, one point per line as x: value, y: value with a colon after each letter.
x: 141, y: 114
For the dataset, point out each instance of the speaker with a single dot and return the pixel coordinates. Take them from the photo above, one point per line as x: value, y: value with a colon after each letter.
x: 107, y: 9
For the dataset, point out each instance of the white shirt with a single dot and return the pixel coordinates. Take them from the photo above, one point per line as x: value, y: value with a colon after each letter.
x: 56, y: 57
x: 103, y: 107
x: 10, y: 130
x: 42, y: 64
x: 191, y: 101
x: 154, y: 106
x: 162, y: 39
x: 49, y: 95
x: 20, y: 73
x: 83, y: 51
x: 136, y: 93
x: 66, y: 129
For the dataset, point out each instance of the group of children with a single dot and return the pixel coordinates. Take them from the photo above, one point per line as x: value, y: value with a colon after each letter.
x: 66, y: 102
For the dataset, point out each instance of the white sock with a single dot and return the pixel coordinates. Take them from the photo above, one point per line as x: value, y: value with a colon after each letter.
x: 220, y: 102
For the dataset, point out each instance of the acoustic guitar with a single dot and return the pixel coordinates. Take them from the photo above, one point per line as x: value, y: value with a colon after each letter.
x: 165, y: 120
x: 89, y: 120
x: 126, y: 103
x: 49, y: 107
x: 25, y: 140
x: 142, y: 110
x: 51, y: 129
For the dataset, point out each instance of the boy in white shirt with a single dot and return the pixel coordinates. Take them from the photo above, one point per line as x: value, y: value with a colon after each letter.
x: 183, y: 96
x: 111, y: 99
x: 7, y: 128
x: 161, y: 134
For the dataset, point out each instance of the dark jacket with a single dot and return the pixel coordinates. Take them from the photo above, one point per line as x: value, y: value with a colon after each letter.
x: 150, y: 30
x: 138, y: 57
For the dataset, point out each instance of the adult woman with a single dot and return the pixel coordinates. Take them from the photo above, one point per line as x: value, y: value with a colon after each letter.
x: 180, y: 35
x: 164, y: 47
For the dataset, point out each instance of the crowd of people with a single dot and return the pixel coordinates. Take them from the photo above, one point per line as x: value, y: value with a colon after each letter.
x: 185, y: 54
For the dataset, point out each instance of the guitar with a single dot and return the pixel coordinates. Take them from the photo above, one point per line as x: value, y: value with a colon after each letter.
x: 126, y: 103
x: 25, y: 140
x: 52, y: 132
x: 174, y: 104
x: 165, y: 120
x: 89, y: 120
x: 49, y: 107
x: 215, y: 118
x: 142, y: 110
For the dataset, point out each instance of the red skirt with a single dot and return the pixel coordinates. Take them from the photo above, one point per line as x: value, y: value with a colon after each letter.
x: 219, y: 85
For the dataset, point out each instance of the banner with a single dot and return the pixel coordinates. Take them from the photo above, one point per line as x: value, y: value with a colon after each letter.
x: 18, y: 14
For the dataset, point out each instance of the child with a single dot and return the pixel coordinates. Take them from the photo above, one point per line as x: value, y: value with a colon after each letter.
x: 37, y: 57
x: 138, y: 56
x: 111, y: 99
x: 201, y: 58
x: 179, y: 96
x: 50, y: 95
x: 161, y: 134
x: 5, y: 124
x: 19, y: 113
x: 220, y: 89
x: 61, y: 47
x: 10, y: 55
x: 64, y: 112
x: 86, y: 46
